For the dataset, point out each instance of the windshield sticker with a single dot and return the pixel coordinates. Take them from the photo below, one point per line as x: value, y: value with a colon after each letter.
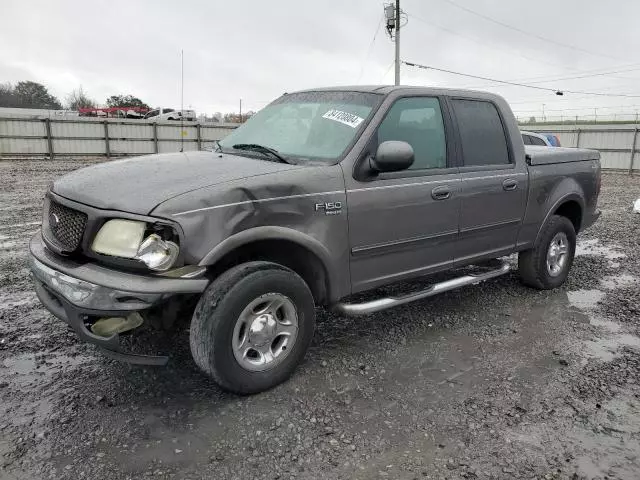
x: 343, y: 117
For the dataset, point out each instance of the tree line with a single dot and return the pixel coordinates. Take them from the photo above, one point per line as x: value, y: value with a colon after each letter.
x: 29, y: 94
x: 35, y: 95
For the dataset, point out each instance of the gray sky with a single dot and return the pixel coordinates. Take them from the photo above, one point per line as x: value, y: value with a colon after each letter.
x: 256, y: 50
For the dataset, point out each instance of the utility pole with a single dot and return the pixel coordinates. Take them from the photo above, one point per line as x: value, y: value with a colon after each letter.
x: 240, y: 110
x: 182, y: 100
x: 397, y: 42
x: 392, y: 14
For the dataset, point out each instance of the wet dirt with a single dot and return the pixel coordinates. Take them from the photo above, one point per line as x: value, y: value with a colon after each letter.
x: 491, y: 381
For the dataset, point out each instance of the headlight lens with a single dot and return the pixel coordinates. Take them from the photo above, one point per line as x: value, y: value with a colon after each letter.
x: 119, y: 238
x: 158, y: 254
x: 124, y: 238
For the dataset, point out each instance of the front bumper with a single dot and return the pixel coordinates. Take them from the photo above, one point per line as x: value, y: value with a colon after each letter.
x: 76, y: 292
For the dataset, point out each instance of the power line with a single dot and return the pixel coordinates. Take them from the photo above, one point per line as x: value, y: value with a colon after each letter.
x: 525, y: 32
x: 476, y: 40
x: 428, y: 67
x: 590, y: 107
x: 586, y: 75
x: 554, y: 90
x: 370, y: 49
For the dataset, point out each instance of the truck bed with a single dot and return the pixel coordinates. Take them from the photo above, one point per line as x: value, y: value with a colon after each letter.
x: 547, y: 155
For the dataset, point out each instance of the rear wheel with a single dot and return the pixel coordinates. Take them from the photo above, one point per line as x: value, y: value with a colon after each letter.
x: 547, y: 265
x: 252, y: 326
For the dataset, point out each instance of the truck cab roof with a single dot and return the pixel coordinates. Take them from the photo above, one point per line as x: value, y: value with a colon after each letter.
x: 404, y: 89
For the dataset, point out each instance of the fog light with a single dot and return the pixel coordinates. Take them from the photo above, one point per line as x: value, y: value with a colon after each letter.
x: 156, y: 253
x: 105, y: 327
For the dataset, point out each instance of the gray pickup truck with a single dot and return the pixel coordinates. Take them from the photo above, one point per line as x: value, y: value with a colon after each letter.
x: 322, y: 194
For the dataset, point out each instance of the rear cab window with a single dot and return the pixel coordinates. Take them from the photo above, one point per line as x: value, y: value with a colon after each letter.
x: 482, y: 134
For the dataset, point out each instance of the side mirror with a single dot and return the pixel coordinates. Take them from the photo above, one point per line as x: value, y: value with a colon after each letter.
x: 392, y: 156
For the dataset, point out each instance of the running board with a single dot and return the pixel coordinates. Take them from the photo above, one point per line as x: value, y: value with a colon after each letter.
x: 354, y: 309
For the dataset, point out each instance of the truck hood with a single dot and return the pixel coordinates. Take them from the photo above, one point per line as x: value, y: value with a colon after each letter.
x: 137, y: 185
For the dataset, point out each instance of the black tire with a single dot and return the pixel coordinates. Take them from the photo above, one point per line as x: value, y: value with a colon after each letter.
x: 532, y: 264
x: 215, y: 317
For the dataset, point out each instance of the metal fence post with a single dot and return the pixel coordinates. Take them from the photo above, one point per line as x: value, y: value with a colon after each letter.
x: 578, y: 138
x: 106, y: 139
x: 633, y: 150
x: 47, y: 123
x: 155, y: 137
x: 199, y: 136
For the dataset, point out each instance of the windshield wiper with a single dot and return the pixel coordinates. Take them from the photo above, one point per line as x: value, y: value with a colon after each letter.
x: 254, y: 147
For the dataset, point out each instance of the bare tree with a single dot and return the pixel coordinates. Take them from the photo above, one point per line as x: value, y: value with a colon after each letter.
x: 79, y: 99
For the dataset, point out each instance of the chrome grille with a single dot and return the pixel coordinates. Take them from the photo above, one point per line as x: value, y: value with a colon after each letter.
x: 64, y: 226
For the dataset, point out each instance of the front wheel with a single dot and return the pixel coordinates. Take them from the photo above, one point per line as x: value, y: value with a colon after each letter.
x: 547, y: 265
x: 252, y: 326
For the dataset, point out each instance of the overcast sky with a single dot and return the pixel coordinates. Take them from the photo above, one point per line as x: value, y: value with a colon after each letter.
x: 256, y: 50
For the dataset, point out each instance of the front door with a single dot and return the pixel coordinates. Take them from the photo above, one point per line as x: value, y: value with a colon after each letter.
x: 494, y: 185
x: 404, y: 224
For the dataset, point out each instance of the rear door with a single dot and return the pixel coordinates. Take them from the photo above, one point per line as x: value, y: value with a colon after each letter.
x: 404, y: 224
x: 494, y: 184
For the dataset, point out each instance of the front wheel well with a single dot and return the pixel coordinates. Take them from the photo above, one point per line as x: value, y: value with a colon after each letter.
x: 571, y: 210
x: 284, y: 252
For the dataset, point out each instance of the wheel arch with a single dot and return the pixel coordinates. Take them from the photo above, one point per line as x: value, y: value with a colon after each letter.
x: 570, y: 205
x: 295, y: 250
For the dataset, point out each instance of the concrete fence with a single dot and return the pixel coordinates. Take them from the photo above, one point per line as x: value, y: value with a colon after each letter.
x: 51, y: 137
x: 618, y: 143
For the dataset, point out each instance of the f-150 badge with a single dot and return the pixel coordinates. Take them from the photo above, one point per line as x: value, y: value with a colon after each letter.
x: 329, y: 208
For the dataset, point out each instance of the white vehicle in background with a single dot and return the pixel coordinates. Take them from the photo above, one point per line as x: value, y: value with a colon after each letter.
x: 167, y: 114
x: 532, y: 138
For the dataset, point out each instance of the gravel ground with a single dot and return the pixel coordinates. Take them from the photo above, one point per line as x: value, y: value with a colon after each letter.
x: 491, y: 381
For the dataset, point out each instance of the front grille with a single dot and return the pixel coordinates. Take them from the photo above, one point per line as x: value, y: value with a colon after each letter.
x: 64, y: 225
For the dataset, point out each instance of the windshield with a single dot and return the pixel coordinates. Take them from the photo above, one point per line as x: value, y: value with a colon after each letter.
x: 307, y: 125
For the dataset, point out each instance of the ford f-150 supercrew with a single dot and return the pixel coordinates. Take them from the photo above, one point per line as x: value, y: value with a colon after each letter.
x: 322, y: 194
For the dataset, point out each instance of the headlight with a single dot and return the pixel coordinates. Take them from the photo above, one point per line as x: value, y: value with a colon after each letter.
x: 119, y: 238
x: 158, y: 254
x: 124, y: 238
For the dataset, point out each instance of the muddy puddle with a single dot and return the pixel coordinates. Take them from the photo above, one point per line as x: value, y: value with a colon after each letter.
x: 612, y: 282
x: 614, y: 454
x: 17, y: 300
x: 593, y: 246
x: 612, y: 337
x: 26, y: 368
x: 585, y: 299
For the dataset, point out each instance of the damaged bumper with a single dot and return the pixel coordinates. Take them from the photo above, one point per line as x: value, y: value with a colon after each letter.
x: 81, y: 293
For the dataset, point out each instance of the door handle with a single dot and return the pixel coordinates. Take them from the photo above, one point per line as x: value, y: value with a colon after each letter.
x: 510, y: 184
x: 441, y: 193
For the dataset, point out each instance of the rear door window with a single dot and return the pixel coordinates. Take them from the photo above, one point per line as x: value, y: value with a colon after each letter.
x: 481, y: 133
x: 526, y: 139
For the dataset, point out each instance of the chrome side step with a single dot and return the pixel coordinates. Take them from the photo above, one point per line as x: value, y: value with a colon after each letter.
x: 354, y: 309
